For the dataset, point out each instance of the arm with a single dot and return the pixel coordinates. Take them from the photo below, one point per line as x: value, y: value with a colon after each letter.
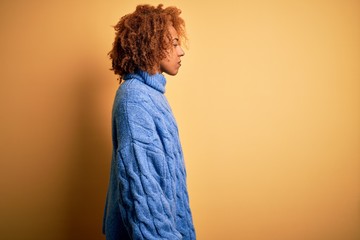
x: 145, y: 209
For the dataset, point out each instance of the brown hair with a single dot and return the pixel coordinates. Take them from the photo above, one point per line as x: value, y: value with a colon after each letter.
x: 142, y: 38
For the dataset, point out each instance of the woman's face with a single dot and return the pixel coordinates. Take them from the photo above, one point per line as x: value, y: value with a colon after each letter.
x: 172, y: 62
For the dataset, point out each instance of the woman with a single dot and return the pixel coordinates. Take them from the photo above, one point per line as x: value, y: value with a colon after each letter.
x: 147, y: 196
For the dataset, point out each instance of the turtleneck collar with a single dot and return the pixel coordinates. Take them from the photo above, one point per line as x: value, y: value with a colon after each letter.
x: 156, y: 81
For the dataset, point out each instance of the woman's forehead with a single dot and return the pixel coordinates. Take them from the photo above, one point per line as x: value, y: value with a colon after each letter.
x: 173, y: 32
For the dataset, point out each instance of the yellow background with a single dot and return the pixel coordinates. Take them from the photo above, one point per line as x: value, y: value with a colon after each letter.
x: 267, y: 101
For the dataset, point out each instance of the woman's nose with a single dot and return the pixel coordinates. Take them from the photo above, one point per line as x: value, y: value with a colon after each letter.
x: 181, y: 52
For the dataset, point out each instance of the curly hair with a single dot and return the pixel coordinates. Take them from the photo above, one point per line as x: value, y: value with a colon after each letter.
x: 143, y: 37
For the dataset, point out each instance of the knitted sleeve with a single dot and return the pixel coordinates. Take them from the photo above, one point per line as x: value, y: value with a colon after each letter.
x: 144, y: 203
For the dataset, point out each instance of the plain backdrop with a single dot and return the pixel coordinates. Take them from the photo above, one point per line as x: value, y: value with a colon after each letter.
x: 267, y: 102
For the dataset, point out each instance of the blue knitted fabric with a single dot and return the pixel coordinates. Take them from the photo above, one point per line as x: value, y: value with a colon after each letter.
x: 147, y: 196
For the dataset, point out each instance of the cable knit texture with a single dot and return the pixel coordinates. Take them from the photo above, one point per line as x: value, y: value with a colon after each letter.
x: 147, y: 196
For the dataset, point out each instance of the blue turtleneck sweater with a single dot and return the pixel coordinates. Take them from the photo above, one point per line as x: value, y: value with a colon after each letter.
x: 147, y: 196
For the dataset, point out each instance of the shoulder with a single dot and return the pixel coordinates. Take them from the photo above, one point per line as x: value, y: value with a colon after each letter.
x: 134, y: 110
x: 132, y: 94
x: 134, y: 91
